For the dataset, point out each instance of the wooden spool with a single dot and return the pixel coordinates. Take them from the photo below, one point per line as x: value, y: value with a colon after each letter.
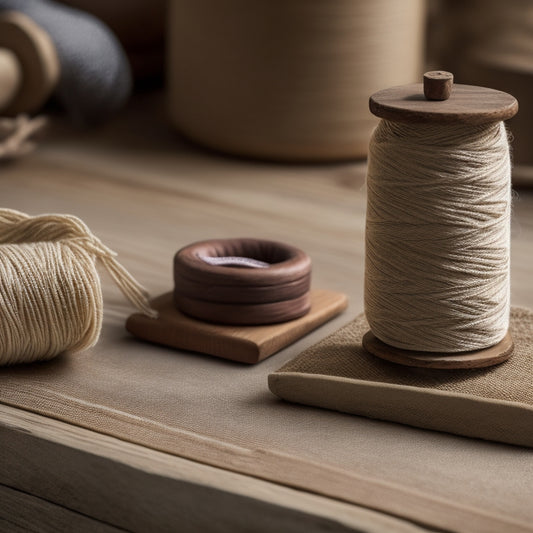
x: 438, y: 100
x: 29, y: 66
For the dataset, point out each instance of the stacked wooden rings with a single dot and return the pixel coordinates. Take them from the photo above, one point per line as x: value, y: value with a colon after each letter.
x: 242, y: 281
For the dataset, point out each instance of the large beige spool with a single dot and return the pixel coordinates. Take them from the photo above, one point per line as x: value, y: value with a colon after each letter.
x: 290, y: 79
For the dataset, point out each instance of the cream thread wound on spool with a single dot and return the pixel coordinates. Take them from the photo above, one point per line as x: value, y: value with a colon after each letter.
x: 50, y: 293
x: 437, y: 275
x: 438, y: 219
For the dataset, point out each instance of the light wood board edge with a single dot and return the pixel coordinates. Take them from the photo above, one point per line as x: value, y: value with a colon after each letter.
x: 22, y: 512
x: 124, y: 485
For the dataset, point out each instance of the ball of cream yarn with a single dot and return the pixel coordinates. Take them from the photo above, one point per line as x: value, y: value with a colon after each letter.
x: 50, y: 293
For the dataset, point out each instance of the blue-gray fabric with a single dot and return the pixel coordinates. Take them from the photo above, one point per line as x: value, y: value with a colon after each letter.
x: 95, y: 79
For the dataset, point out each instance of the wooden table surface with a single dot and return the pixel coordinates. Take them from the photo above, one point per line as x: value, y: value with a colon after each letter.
x: 145, y: 192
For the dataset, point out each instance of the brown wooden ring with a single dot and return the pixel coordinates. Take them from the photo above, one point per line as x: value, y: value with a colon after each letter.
x: 246, y: 315
x: 241, y: 294
x: 287, y: 263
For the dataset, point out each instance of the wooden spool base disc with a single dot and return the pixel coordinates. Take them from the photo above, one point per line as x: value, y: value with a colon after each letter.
x: 493, y: 355
x: 245, y: 344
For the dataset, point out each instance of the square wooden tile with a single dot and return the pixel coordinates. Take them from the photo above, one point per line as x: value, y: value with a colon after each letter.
x: 246, y: 344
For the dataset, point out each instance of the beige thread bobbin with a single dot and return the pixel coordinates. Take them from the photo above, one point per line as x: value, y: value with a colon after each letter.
x: 438, y: 101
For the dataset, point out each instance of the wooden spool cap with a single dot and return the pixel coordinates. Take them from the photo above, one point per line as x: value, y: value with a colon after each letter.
x: 438, y: 100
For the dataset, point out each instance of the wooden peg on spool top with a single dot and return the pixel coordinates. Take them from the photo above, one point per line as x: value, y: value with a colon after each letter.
x: 439, y: 101
x: 438, y: 85
x: 467, y: 104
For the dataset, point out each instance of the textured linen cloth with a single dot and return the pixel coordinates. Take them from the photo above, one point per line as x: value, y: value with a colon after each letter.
x: 221, y: 413
x: 494, y: 403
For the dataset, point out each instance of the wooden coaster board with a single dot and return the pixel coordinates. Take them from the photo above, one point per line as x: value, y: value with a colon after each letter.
x: 493, y: 403
x: 245, y: 344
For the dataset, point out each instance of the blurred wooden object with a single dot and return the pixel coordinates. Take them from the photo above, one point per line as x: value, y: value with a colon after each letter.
x: 10, y: 76
x: 490, y: 43
x: 120, y: 486
x: 512, y: 74
x: 16, y: 133
x: 287, y: 80
x: 29, y: 66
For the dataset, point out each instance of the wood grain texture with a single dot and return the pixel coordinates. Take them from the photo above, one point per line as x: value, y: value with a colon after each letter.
x: 249, y: 344
x: 138, y: 489
x: 234, y: 314
x: 23, y: 512
x: 494, y: 355
x: 467, y: 104
x: 243, y: 294
x: 10, y: 77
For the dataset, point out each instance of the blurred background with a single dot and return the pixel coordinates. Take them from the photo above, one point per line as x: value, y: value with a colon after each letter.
x: 262, y: 79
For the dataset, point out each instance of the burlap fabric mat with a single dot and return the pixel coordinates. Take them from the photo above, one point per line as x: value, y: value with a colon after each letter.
x: 493, y: 403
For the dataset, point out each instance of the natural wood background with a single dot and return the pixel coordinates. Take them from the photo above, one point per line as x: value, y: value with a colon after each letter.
x: 146, y: 193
